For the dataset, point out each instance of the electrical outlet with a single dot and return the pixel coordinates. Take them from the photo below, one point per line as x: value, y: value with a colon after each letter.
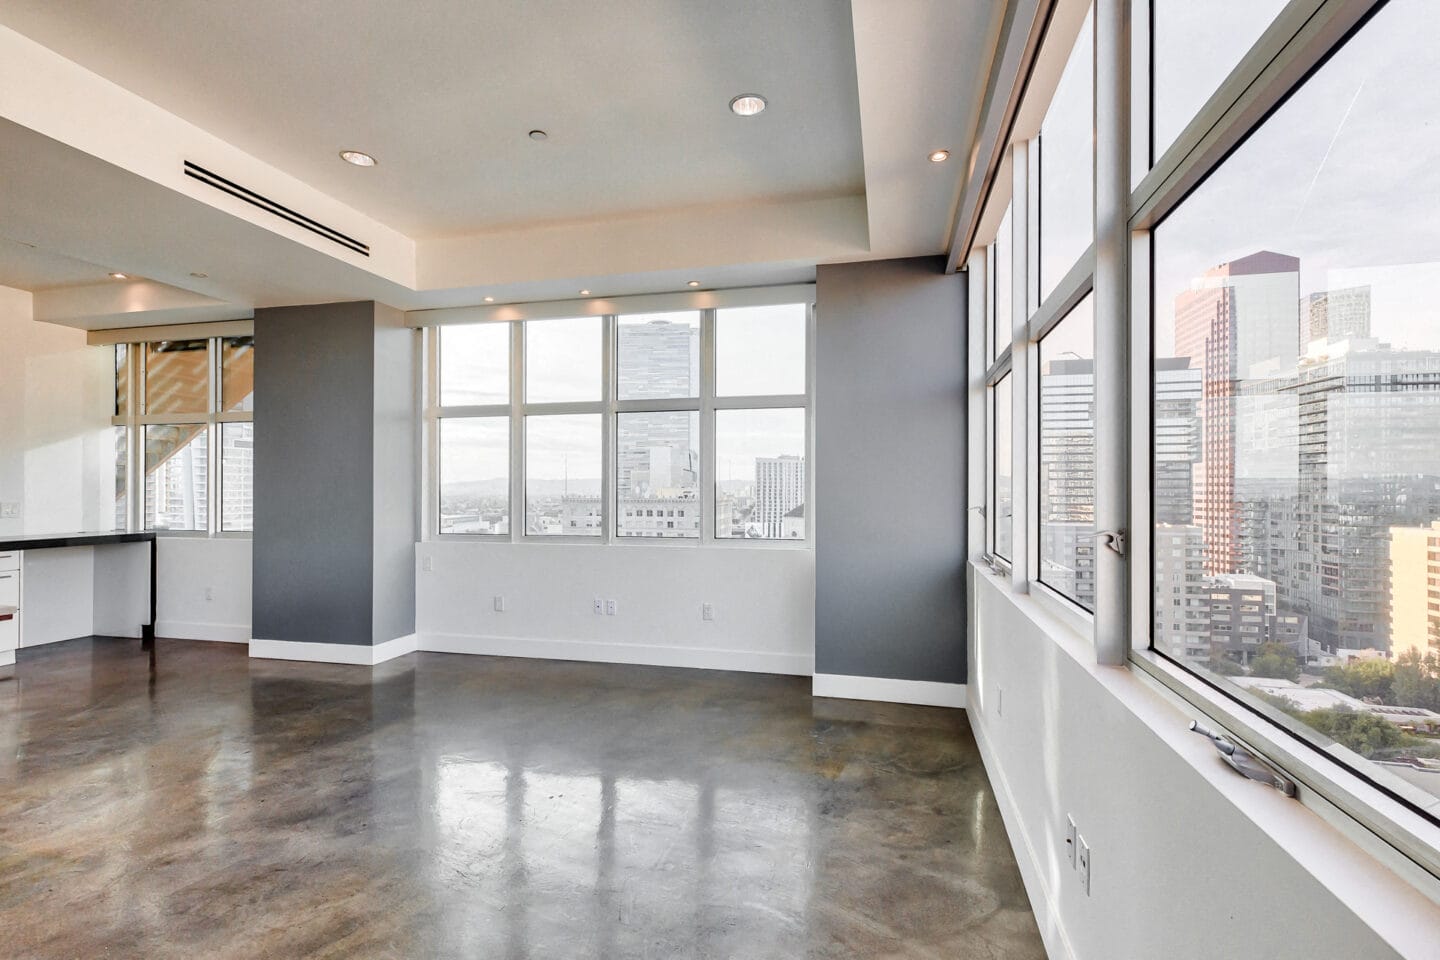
x: 609, y: 608
x: 1084, y: 862
x: 10, y: 510
x: 209, y: 594
x: 707, y: 611
x: 499, y: 604
x: 1070, y: 834
x: 599, y: 607
x: 427, y: 563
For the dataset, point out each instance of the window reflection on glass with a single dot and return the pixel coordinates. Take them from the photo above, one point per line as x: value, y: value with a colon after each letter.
x: 1296, y: 388
x: 760, y: 350
x: 237, y: 477
x: 177, y: 377
x: 1067, y: 165
x: 760, y: 474
x: 1067, y: 456
x: 475, y: 364
x: 1195, y: 46
x: 237, y: 373
x: 475, y: 475
x: 657, y: 474
x: 1004, y: 504
x: 563, y: 360
x: 176, y: 477
x: 659, y: 356
x: 562, y: 476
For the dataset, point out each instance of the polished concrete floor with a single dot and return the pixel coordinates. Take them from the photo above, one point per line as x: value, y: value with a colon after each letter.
x: 476, y: 807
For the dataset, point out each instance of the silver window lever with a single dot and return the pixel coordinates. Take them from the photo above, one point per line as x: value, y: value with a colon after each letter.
x: 1246, y: 762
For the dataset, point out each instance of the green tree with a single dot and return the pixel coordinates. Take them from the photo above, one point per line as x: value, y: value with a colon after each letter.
x: 1363, y: 678
x: 1276, y: 661
x: 1417, y: 681
x: 1365, y: 733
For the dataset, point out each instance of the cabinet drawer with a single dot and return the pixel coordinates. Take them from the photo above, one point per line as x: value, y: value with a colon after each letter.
x: 10, y: 560
x: 10, y: 588
x: 9, y: 634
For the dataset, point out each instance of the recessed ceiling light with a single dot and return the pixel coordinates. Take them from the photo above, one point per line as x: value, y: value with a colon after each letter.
x: 692, y: 283
x: 199, y: 276
x: 119, y: 276
x: 357, y: 158
x: 747, y: 104
x: 538, y: 135
x: 489, y: 299
x: 939, y: 156
x: 584, y: 293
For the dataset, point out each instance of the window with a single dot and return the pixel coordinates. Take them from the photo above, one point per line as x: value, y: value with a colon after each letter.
x: 1296, y: 394
x: 760, y: 474
x: 695, y: 431
x: 1002, y: 486
x: 1067, y: 456
x: 184, y: 429
x: 562, y: 476
x: 658, y: 466
x: 1067, y: 165
x: 1002, y: 319
x: 563, y: 360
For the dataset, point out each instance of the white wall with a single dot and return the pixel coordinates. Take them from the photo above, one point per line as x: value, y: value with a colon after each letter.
x: 57, y: 449
x: 188, y: 568
x: 1189, y: 858
x: 764, y: 603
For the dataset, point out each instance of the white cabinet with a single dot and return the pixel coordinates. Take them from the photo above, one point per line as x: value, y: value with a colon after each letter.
x: 9, y: 600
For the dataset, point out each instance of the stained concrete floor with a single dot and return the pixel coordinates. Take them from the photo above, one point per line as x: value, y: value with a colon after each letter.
x: 477, y: 807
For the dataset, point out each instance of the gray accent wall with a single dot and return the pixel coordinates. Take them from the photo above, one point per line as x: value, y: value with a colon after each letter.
x: 334, y: 518
x: 890, y: 440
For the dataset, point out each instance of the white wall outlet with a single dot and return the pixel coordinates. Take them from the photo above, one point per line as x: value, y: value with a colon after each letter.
x: 1083, y: 861
x: 1070, y: 836
x: 707, y: 611
x: 609, y: 608
x: 209, y: 594
x: 9, y: 510
x: 427, y: 563
x: 599, y: 607
x: 499, y: 604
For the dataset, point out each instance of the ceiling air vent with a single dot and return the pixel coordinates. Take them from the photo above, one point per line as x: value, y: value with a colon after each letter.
x: 270, y: 206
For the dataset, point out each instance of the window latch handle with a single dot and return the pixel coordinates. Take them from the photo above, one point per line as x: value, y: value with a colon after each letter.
x: 1114, y: 539
x: 1246, y: 762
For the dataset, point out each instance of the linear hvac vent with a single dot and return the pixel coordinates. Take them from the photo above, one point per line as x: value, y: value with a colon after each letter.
x: 270, y: 206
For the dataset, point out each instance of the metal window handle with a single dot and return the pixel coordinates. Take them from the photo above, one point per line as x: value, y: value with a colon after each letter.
x: 1246, y: 762
x: 1114, y: 539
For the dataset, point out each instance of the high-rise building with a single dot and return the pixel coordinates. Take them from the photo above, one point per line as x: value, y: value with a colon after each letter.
x: 1331, y: 316
x: 1182, y: 614
x: 657, y: 455
x: 1414, y: 594
x: 1238, y: 317
x: 1067, y: 442
x: 779, y: 489
x: 1177, y: 438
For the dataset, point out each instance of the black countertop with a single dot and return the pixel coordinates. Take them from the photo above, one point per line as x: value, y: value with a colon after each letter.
x: 42, y: 541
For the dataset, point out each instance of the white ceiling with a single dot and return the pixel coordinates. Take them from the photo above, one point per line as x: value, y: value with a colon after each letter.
x: 646, y: 180
x: 634, y: 97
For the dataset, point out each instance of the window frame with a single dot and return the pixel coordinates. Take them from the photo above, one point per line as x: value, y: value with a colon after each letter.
x: 133, y: 422
x: 610, y: 407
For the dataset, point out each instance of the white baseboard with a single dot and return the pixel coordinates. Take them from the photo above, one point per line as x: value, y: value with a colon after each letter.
x: 217, y: 632
x: 358, y: 654
x: 1042, y: 904
x: 702, y: 658
x: 924, y: 692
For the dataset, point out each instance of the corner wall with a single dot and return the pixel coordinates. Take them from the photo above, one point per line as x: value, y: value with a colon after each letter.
x: 890, y: 422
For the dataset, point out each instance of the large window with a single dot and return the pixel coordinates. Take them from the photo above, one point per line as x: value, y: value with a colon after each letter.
x: 676, y: 425
x: 1271, y: 298
x: 184, y: 435
x: 1296, y: 395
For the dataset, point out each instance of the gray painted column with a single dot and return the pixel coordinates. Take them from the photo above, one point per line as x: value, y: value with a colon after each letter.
x: 335, y: 437
x: 890, y: 480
